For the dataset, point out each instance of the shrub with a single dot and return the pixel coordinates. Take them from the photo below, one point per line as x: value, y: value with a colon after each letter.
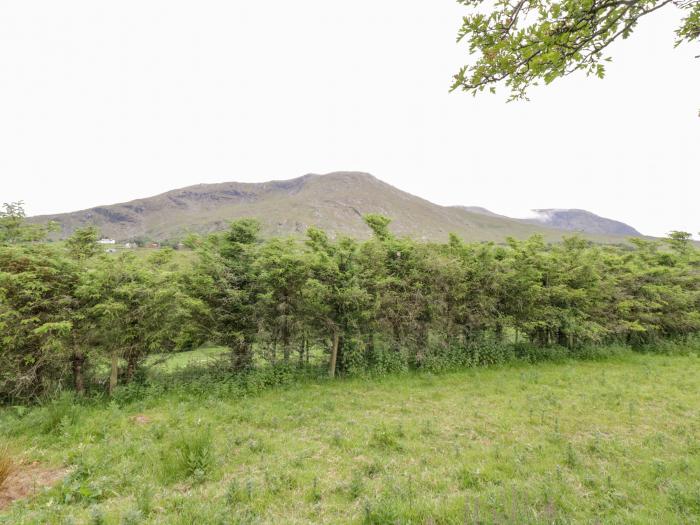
x: 83, y: 486
x: 674, y: 346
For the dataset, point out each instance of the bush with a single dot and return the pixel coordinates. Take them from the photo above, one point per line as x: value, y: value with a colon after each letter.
x: 532, y: 353
x: 386, y: 358
x: 78, y: 489
x: 674, y: 346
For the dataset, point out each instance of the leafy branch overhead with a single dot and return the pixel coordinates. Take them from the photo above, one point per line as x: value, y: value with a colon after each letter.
x: 520, y: 43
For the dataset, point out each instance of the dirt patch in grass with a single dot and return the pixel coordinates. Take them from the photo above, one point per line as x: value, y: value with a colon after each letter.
x: 141, y: 419
x: 27, y: 480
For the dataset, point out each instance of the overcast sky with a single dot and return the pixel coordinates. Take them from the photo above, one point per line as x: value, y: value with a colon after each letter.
x: 103, y: 102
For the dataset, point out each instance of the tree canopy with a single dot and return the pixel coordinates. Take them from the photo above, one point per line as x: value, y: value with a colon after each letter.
x: 520, y: 43
x: 72, y: 314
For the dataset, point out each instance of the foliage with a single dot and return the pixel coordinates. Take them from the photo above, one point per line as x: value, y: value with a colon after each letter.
x: 520, y: 43
x: 134, y: 308
x: 14, y: 229
x: 70, y: 316
x: 63, y: 308
x: 83, y: 243
x: 37, y: 301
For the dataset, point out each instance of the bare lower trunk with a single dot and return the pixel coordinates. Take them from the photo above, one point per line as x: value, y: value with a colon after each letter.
x: 286, y: 348
x: 334, y: 353
x: 114, y: 374
x: 78, y: 362
x: 130, y: 368
x: 302, y: 350
x: 499, y: 332
x: 287, y: 351
x: 240, y: 355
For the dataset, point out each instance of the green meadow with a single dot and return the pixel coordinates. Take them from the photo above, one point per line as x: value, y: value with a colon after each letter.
x: 608, y: 441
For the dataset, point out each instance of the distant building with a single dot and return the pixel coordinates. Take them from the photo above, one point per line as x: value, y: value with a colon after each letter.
x: 130, y: 245
x: 154, y: 245
x: 104, y: 240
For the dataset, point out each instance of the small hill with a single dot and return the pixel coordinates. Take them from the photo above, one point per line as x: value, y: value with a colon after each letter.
x: 335, y: 202
x: 582, y: 221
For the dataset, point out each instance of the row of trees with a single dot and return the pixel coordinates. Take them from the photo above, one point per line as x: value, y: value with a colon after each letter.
x: 70, y: 315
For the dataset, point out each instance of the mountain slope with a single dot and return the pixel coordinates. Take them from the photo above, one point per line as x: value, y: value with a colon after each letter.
x: 572, y: 220
x: 582, y: 221
x: 335, y: 202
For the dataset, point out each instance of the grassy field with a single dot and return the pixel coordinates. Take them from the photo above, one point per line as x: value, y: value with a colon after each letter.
x: 172, y: 362
x: 613, y: 441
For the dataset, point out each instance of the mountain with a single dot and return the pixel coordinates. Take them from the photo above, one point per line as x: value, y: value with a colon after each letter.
x: 481, y: 211
x: 570, y: 220
x: 335, y: 202
x: 582, y: 221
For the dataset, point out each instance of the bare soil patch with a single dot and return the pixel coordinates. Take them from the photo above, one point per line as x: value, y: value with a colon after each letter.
x: 27, y: 480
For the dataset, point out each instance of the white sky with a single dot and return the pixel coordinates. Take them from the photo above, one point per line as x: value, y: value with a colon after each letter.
x: 103, y: 102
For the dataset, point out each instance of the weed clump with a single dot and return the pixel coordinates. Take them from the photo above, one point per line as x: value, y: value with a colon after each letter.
x: 7, y: 464
x: 58, y: 414
x: 469, y: 479
x: 386, y: 438
x: 97, y: 517
x: 190, y: 456
x: 356, y: 486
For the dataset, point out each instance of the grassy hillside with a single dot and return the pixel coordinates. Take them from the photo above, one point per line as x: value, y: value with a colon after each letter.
x: 579, y: 442
x: 334, y: 202
x: 582, y: 220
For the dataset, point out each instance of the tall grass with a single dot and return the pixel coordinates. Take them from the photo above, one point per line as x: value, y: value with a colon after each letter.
x: 7, y: 464
x: 583, y: 441
x: 189, y: 456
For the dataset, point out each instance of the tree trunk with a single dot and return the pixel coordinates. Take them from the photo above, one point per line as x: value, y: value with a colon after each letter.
x: 334, y: 352
x: 302, y: 350
x: 114, y: 374
x: 286, y: 349
x: 240, y: 355
x: 499, y: 332
x: 130, y: 367
x: 369, y: 348
x: 78, y: 361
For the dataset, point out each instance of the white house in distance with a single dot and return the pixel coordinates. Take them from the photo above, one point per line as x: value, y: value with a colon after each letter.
x: 104, y: 240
